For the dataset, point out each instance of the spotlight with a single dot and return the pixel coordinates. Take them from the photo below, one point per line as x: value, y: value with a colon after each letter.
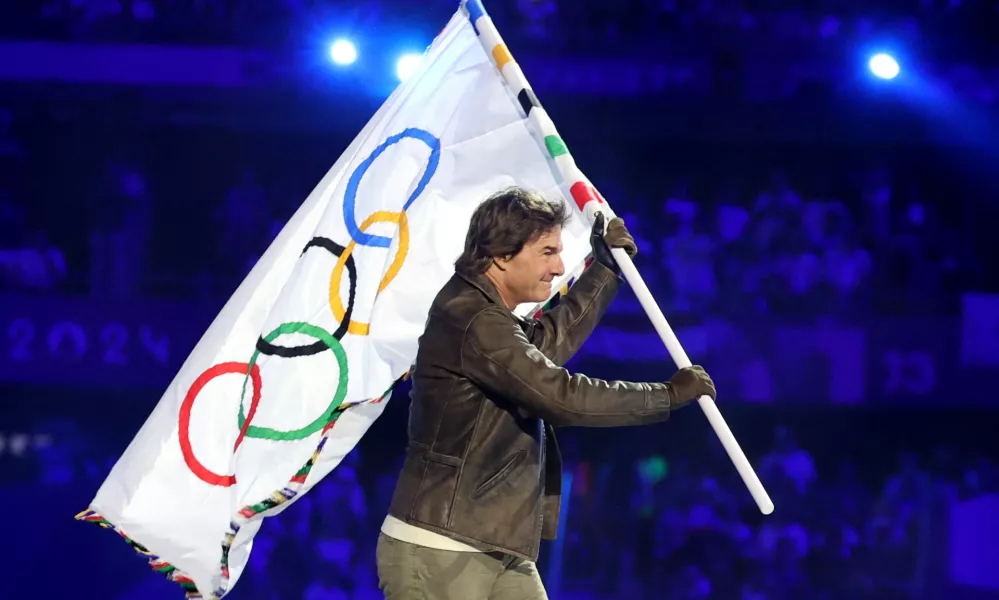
x: 883, y: 66
x: 343, y: 52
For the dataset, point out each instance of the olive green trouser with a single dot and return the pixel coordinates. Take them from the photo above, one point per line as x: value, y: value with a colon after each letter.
x: 410, y: 572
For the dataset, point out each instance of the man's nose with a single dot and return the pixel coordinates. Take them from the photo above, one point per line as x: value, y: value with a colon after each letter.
x: 559, y: 267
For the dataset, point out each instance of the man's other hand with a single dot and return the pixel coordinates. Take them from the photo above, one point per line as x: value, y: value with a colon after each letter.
x: 617, y: 236
x: 688, y: 385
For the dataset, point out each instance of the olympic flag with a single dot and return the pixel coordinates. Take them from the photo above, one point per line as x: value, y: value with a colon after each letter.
x: 298, y: 363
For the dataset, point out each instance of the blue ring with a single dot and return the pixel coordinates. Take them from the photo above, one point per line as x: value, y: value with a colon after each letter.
x: 350, y: 195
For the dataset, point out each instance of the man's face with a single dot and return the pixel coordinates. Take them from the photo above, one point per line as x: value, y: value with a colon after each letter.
x: 528, y: 275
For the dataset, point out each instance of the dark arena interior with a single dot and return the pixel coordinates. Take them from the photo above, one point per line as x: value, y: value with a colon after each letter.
x: 812, y: 187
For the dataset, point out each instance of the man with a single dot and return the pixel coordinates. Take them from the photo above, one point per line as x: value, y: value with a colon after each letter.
x: 480, y: 486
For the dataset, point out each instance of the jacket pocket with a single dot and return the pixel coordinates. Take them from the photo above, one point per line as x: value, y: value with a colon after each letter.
x: 486, y: 486
x: 435, y: 492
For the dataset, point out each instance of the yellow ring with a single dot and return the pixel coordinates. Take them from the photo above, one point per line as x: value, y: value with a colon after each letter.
x: 382, y: 216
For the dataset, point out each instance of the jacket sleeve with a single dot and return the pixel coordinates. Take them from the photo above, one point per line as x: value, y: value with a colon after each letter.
x: 560, y: 332
x: 497, y: 356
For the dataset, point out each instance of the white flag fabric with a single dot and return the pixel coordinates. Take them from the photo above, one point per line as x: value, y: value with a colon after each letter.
x: 298, y: 364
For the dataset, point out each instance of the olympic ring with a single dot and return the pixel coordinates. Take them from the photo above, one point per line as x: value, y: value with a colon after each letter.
x: 355, y: 327
x: 252, y: 431
x: 184, y: 432
x: 350, y: 194
x: 318, y: 346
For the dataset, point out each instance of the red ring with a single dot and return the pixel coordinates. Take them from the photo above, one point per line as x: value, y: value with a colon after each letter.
x: 184, y: 433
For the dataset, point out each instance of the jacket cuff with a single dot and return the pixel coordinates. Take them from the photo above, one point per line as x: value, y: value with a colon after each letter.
x: 659, y: 396
x: 600, y: 271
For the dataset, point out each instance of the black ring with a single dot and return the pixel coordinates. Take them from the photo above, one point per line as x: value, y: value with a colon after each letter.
x: 319, y: 346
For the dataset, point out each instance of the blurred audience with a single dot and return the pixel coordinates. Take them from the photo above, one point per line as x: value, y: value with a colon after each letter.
x: 739, y: 251
x: 575, y: 24
x: 639, y: 524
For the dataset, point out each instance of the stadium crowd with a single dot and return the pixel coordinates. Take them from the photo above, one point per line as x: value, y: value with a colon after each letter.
x: 576, y: 24
x: 743, y: 245
x: 664, y: 516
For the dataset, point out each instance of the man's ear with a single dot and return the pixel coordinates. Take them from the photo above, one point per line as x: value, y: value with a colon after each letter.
x: 501, y: 262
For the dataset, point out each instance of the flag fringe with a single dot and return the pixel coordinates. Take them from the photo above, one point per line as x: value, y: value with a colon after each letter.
x: 243, y: 516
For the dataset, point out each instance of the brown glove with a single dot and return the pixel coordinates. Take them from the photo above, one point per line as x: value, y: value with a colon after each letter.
x: 617, y: 236
x: 688, y: 385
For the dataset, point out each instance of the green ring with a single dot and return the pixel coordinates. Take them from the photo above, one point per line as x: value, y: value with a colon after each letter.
x: 341, y: 389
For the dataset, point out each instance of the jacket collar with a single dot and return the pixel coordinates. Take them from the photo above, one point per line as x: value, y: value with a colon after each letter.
x: 484, y: 285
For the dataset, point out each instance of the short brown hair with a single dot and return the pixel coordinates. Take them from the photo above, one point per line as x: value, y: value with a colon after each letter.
x: 503, y: 224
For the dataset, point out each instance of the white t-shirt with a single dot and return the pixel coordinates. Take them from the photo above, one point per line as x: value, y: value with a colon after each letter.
x: 404, y: 532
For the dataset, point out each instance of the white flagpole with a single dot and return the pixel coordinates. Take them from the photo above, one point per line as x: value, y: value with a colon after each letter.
x: 590, y: 202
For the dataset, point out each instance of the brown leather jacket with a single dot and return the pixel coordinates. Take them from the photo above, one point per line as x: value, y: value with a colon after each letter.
x: 482, y: 465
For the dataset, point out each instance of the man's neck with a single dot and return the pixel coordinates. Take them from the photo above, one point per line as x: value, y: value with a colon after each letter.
x: 503, y: 292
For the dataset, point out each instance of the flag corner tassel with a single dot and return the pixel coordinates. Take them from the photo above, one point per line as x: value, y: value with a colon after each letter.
x: 162, y: 567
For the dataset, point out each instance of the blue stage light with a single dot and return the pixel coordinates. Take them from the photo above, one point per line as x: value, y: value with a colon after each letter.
x: 343, y: 52
x: 883, y: 66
